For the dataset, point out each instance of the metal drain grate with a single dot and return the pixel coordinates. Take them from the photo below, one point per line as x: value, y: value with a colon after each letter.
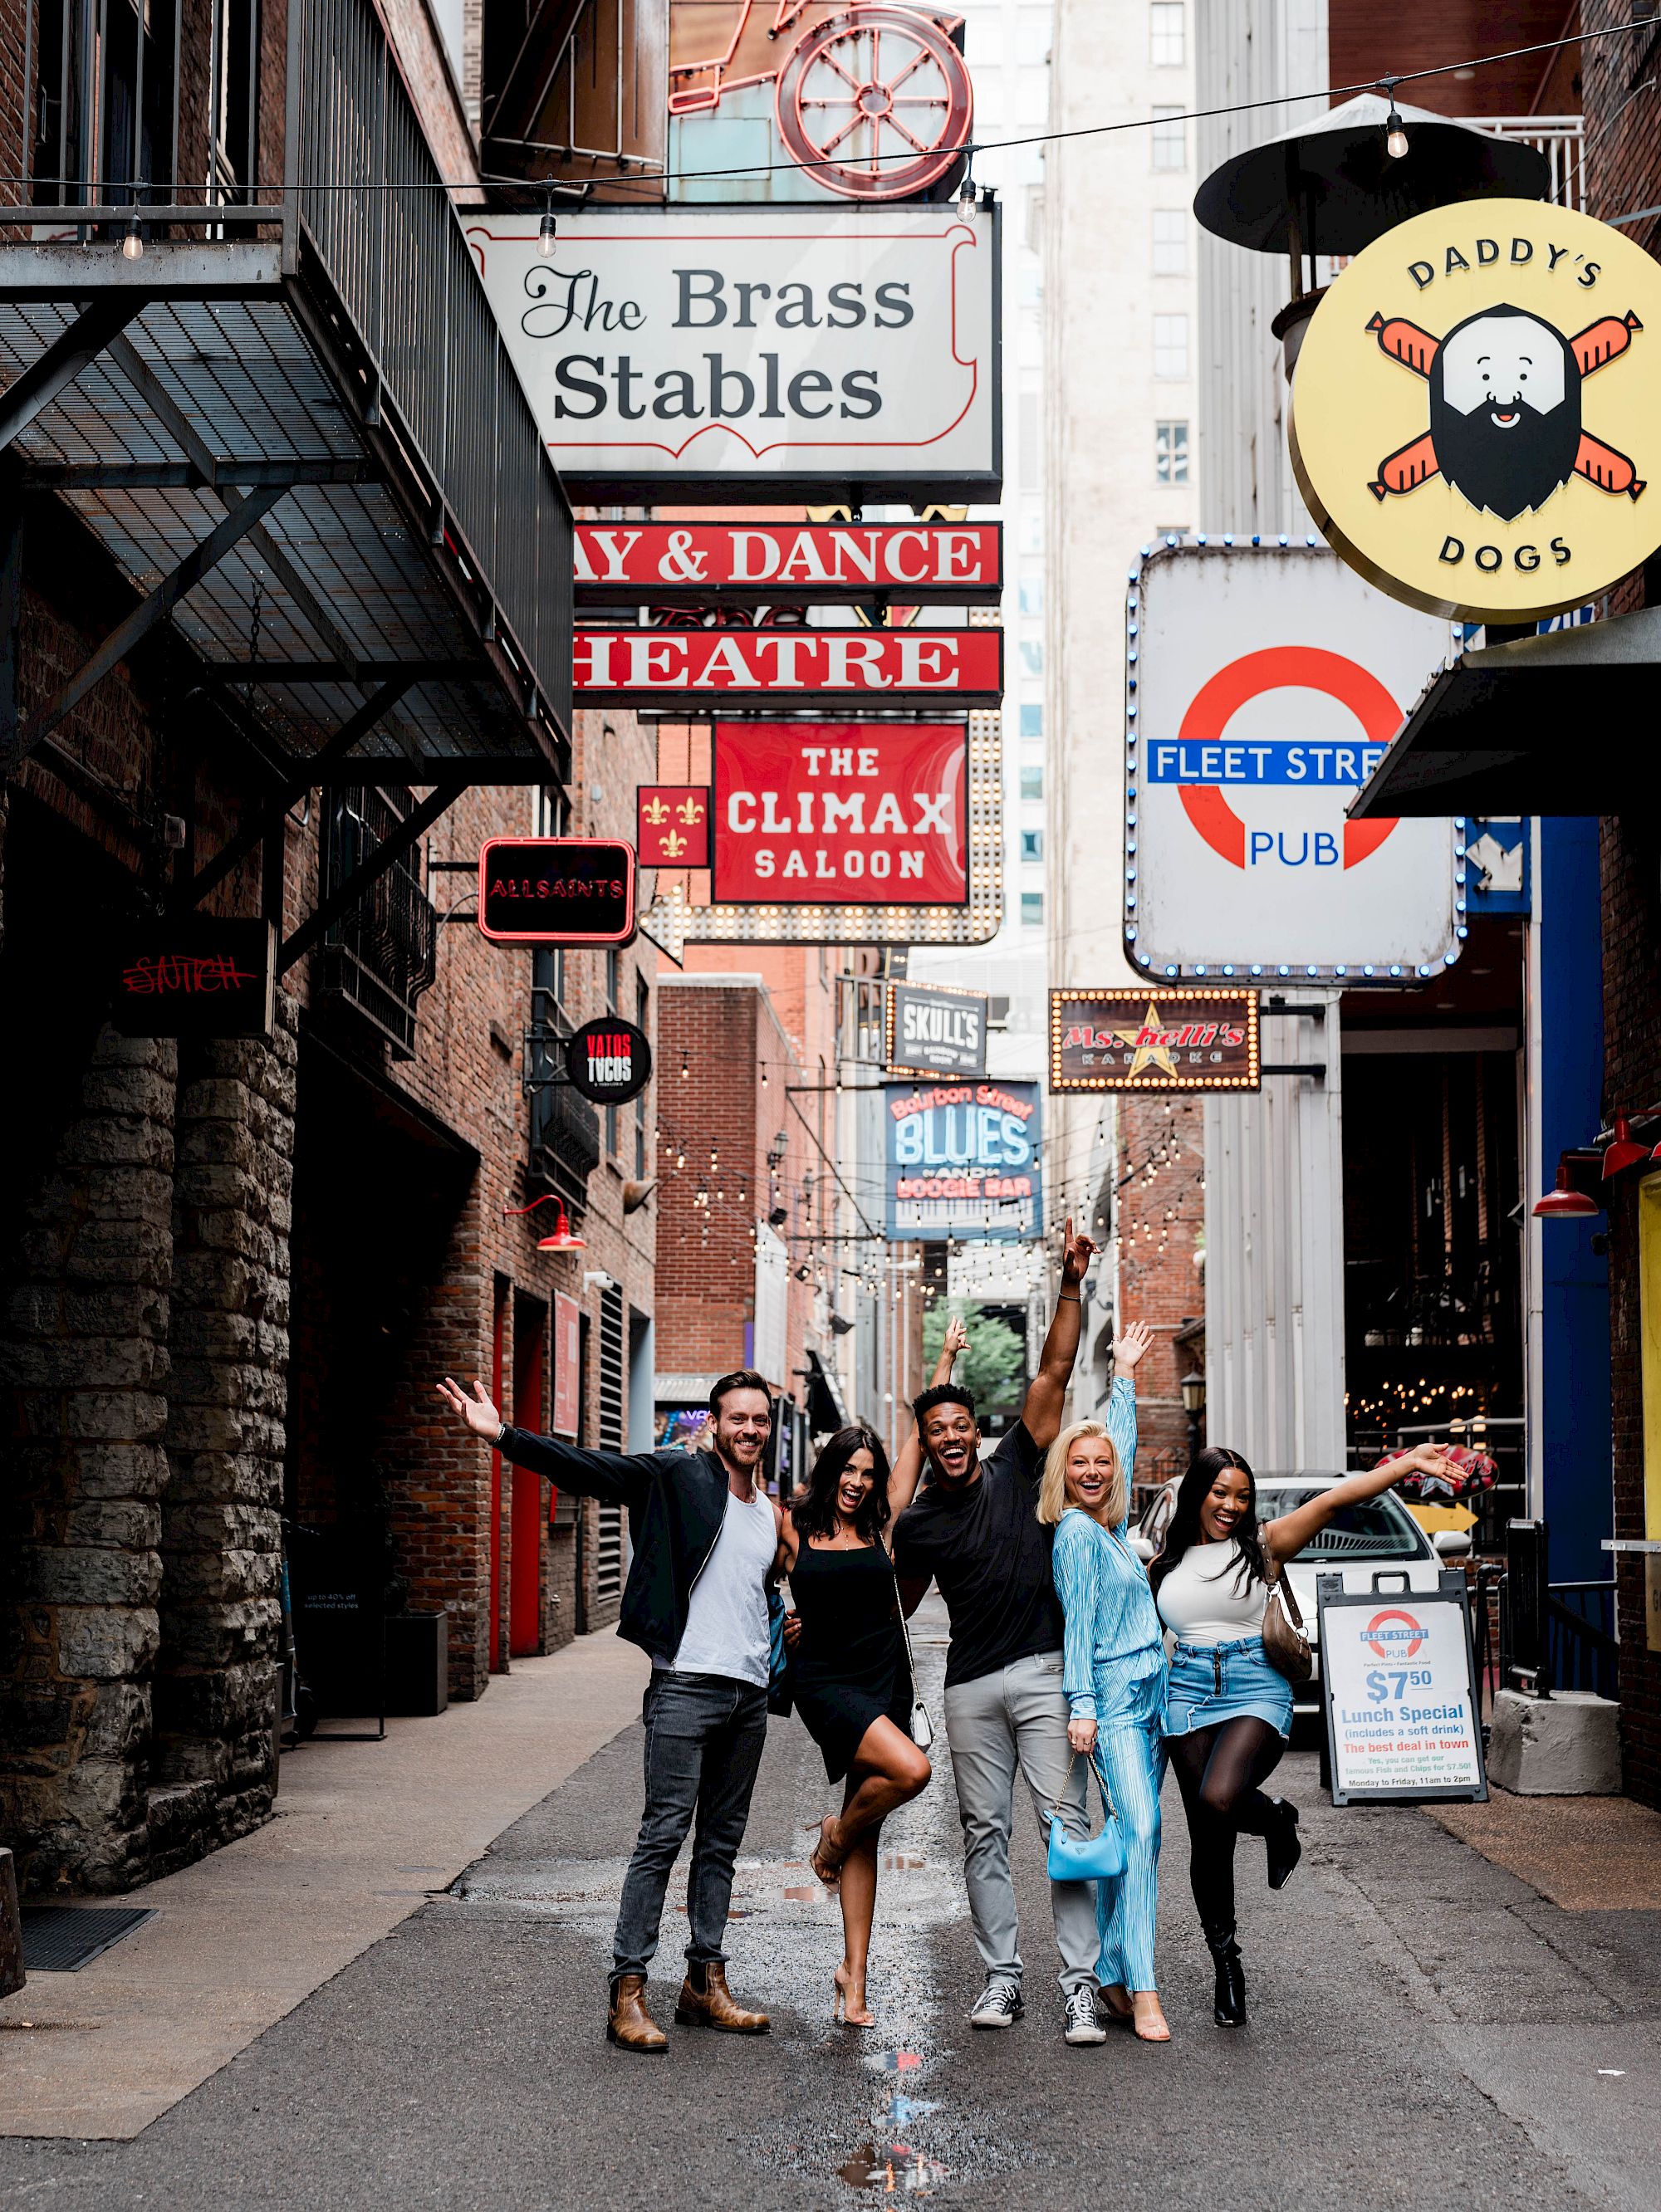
x: 61, y: 1939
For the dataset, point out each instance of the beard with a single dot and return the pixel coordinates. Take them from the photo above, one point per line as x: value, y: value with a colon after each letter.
x: 1508, y: 472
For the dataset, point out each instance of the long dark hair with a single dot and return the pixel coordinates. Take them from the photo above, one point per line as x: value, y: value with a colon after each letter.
x: 815, y: 1513
x: 1184, y: 1530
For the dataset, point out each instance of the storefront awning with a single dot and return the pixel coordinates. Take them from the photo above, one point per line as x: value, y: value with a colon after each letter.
x: 1549, y: 725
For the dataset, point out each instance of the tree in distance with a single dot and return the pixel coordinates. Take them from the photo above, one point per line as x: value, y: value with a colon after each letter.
x: 992, y: 1367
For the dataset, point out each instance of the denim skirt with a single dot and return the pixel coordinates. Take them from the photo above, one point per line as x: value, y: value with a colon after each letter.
x: 1211, y: 1683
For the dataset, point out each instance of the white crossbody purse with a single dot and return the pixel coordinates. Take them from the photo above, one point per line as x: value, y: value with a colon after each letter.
x: 922, y: 1729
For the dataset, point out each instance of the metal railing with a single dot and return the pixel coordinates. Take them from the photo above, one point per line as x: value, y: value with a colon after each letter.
x: 382, y: 954
x: 404, y: 273
x: 1560, y: 138
x: 1552, y: 1636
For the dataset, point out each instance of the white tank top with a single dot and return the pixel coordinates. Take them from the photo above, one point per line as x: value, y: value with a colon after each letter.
x: 1199, y: 1598
x: 726, y: 1628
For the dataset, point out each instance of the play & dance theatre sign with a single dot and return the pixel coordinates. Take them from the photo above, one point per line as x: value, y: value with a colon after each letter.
x: 621, y: 564
x: 802, y: 668
x: 667, y: 351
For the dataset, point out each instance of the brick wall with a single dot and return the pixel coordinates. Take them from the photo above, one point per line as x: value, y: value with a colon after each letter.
x: 1623, y: 170
x: 1159, y: 1225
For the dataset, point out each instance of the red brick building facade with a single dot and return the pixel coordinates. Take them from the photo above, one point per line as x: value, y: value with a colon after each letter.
x: 1159, y: 1228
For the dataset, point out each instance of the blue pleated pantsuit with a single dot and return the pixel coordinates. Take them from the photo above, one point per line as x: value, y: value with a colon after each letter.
x: 1114, y: 1673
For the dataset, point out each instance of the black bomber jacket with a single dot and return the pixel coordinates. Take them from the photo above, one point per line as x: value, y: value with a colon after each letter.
x: 676, y: 1501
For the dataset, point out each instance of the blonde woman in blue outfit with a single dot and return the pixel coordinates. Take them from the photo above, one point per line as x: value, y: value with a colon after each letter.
x: 1114, y: 1675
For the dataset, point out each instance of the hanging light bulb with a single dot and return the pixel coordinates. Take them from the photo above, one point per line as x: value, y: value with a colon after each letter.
x: 547, y: 234
x: 1395, y: 136
x: 966, y: 189
x: 132, y: 246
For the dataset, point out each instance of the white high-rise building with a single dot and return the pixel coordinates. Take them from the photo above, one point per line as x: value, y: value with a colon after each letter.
x: 1121, y: 356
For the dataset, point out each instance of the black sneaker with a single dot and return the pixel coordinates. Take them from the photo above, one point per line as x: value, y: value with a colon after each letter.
x: 1082, y: 2023
x: 998, y: 2005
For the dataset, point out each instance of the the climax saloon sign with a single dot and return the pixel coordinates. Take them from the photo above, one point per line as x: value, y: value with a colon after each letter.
x: 1171, y: 1040
x: 850, y: 813
x: 667, y: 351
x: 962, y: 1161
x: 1477, y: 413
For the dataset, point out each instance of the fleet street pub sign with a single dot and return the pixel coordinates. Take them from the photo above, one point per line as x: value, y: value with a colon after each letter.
x: 667, y: 352
x: 1171, y: 1039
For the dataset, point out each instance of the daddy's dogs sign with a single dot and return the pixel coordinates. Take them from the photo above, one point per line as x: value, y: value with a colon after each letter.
x: 1477, y: 412
x: 667, y: 351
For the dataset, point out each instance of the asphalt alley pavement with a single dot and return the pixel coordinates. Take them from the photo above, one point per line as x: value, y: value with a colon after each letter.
x: 1425, y: 2030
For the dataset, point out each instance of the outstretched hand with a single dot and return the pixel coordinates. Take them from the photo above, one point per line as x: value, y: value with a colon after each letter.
x: 957, y: 1337
x: 1077, y: 1253
x: 1131, y: 1344
x: 480, y: 1415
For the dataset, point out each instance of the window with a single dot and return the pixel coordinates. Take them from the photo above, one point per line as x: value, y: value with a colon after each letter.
x: 1031, y: 651
x: 1031, y: 720
x: 1032, y: 529
x: 1032, y: 95
x: 1165, y: 28
x: 1169, y: 242
x: 1169, y: 137
x: 985, y: 41
x: 1171, y: 347
x: 1032, y: 844
x: 1032, y: 593
x: 1029, y: 447
x: 1170, y: 452
x: 1031, y: 909
x: 1031, y: 783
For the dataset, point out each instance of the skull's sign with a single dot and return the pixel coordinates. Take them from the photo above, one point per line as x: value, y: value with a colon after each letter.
x: 1507, y: 507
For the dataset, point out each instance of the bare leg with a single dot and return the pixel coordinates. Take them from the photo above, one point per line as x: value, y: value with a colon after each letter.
x: 859, y: 1905
x: 888, y: 1771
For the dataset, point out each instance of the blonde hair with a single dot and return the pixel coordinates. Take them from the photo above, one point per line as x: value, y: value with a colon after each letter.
x: 1052, y: 1489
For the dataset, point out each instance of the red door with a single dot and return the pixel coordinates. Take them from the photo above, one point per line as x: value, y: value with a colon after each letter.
x: 524, y: 1533
x: 498, y: 1324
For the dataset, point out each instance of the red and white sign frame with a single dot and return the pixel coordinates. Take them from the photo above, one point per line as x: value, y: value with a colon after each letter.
x: 822, y: 670
x: 789, y: 563
x: 575, y: 941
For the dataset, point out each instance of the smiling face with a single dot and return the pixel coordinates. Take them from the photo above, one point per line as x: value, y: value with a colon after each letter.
x: 1504, y: 410
x: 744, y: 1421
x: 951, y: 1437
x: 855, y: 1484
x: 1226, y: 1504
x: 1091, y: 1475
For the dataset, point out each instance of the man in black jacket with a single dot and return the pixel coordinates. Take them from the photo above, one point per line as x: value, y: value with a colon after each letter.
x: 706, y: 1537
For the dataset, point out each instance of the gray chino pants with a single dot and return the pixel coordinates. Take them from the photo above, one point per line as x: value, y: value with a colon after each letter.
x: 1017, y: 1717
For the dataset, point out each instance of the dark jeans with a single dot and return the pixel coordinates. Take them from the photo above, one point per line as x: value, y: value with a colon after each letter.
x: 704, y: 1736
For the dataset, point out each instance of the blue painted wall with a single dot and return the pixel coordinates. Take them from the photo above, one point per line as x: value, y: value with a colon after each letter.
x: 1578, y: 1500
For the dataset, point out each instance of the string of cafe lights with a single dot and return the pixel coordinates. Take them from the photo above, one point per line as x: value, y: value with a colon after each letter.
x: 550, y: 187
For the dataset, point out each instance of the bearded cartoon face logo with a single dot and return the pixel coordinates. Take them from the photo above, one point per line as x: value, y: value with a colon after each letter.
x: 1476, y: 408
x: 1504, y: 409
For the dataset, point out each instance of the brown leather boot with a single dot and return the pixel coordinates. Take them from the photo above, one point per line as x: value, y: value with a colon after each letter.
x: 713, y: 2006
x: 628, y: 2023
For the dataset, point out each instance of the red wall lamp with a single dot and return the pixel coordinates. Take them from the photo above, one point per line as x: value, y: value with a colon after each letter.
x: 563, y: 1239
x: 1568, y: 1196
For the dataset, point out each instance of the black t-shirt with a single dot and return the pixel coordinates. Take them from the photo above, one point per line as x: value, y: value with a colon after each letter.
x: 987, y: 1549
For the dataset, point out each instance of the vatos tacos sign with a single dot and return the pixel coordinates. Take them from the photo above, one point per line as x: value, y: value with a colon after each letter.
x: 1477, y: 411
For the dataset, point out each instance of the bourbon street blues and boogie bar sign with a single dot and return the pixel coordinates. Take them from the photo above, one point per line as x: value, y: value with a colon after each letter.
x: 962, y: 1161
x: 789, y: 563
x: 1154, y: 1040
x: 668, y: 353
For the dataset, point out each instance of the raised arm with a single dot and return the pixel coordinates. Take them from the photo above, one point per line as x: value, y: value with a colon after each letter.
x: 907, y: 1471
x: 1046, y: 1396
x: 1284, y: 1538
x: 1121, y: 1422
x: 617, y: 1478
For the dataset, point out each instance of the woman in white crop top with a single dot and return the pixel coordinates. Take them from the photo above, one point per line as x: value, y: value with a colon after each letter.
x: 1228, y: 1712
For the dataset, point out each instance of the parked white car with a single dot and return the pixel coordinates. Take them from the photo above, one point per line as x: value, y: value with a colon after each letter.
x: 1378, y: 1535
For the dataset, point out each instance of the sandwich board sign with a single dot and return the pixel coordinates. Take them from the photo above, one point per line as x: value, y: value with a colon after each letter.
x: 1399, y: 1690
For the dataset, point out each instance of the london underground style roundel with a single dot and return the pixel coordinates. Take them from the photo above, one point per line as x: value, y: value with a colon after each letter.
x: 1476, y: 410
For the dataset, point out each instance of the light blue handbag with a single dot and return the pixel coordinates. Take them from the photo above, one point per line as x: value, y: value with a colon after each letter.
x: 1100, y: 1856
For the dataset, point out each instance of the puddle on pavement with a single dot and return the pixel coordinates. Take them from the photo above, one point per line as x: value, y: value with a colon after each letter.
x: 896, y: 2170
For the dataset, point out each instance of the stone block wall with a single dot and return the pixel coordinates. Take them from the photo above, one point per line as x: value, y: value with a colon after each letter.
x: 85, y: 1354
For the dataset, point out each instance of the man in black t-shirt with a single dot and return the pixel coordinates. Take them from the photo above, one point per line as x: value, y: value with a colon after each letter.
x: 975, y: 1530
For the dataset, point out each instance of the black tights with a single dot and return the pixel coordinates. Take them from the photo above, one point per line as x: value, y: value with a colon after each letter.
x: 1220, y: 1772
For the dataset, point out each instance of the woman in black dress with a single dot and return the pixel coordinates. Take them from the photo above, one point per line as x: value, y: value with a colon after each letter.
x: 850, y: 1673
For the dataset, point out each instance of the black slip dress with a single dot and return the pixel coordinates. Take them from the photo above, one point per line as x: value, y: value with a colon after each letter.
x: 850, y: 1668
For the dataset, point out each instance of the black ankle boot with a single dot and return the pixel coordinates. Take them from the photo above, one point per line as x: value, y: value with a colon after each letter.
x: 1284, y: 1849
x: 1228, y: 2009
